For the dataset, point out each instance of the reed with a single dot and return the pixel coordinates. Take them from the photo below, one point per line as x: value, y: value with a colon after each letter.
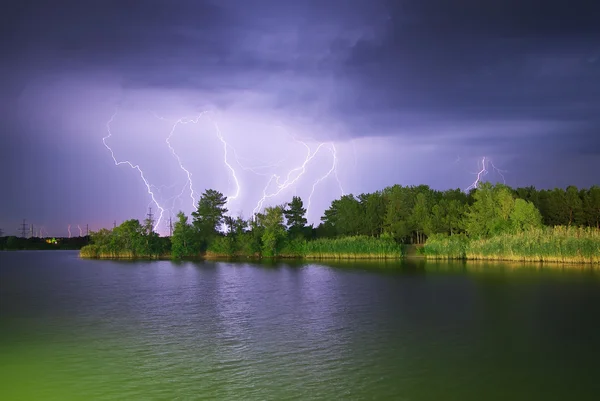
x: 98, y: 252
x: 356, y: 247
x: 548, y: 244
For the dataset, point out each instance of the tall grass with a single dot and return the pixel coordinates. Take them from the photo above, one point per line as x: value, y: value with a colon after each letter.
x: 98, y: 252
x: 548, y: 244
x: 357, y: 247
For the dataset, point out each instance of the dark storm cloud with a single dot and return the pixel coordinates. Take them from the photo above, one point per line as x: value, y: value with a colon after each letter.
x: 504, y: 79
x: 391, y: 65
x: 516, y: 59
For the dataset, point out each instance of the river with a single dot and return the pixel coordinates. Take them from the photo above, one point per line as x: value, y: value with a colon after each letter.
x: 73, y: 329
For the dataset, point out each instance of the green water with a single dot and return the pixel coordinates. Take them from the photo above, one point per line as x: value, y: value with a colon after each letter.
x: 74, y: 329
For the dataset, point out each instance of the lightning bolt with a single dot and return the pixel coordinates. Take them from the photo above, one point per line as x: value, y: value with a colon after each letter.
x: 300, y: 170
x: 483, y: 172
x: 69, y: 230
x: 296, y: 173
x: 275, y: 185
x: 332, y: 170
x: 497, y: 170
x: 189, y: 182
x: 136, y: 167
x: 237, y: 183
x: 80, y: 231
x: 255, y: 168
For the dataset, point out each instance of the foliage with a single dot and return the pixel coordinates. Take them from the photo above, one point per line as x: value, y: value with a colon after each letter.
x: 295, y: 214
x: 183, y: 241
x: 209, y: 216
x: 353, y: 247
x: 274, y: 233
x: 546, y: 244
x: 128, y: 240
x: 450, y: 223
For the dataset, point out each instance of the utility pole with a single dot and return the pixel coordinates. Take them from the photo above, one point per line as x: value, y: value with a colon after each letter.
x: 24, y: 229
x: 150, y: 219
x: 87, y: 230
x: 170, y: 227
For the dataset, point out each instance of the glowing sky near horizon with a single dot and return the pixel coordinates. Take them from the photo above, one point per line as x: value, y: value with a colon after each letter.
x: 408, y: 92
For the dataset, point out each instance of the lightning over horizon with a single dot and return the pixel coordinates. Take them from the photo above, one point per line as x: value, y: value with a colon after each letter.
x: 136, y: 167
x: 483, y: 172
x: 275, y: 186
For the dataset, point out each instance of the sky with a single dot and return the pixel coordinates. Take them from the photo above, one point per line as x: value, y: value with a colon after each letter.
x: 373, y: 93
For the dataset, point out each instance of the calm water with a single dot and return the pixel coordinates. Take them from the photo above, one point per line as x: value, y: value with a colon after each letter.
x: 74, y: 329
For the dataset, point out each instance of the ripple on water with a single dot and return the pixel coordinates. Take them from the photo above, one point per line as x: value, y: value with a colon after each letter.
x: 73, y: 329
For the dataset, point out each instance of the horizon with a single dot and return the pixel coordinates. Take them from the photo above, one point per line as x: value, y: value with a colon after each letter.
x: 77, y: 230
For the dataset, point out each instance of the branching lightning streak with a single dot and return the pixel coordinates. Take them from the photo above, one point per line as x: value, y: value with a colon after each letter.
x: 483, y: 172
x: 332, y: 170
x: 499, y: 172
x: 291, y: 177
x: 296, y: 173
x: 189, y: 182
x: 280, y: 187
x: 136, y: 167
x: 253, y: 169
x: 237, y: 184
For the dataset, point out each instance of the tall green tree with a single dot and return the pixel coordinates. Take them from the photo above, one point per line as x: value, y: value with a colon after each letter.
x: 209, y: 216
x: 274, y: 234
x: 525, y: 216
x: 373, y: 207
x: 574, y: 206
x: 490, y: 212
x: 184, y: 241
x: 398, y: 211
x: 344, y: 216
x: 129, y: 237
x: 420, y: 218
x: 295, y: 214
x: 592, y: 206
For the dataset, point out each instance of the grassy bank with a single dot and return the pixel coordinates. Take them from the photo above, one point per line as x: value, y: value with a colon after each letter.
x: 354, y: 247
x: 357, y: 247
x: 548, y: 244
x: 96, y: 252
x: 345, y: 248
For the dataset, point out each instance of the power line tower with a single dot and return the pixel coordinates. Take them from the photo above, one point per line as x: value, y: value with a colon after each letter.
x: 115, y: 224
x: 1, y: 233
x: 87, y: 230
x: 24, y: 229
x: 150, y: 219
x: 170, y: 227
x: 31, y: 232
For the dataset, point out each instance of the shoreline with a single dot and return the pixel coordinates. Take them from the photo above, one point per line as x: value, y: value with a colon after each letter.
x: 514, y: 259
x: 349, y: 259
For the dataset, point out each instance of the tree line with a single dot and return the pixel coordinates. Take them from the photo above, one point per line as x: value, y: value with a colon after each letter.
x: 412, y: 213
x: 395, y: 215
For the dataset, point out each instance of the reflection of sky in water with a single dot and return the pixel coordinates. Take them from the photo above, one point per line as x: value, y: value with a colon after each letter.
x: 75, y: 328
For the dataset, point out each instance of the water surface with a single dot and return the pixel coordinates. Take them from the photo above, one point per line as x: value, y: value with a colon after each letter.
x: 73, y: 329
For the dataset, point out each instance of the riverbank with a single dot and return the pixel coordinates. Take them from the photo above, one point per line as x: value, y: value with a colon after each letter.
x: 344, y: 248
x: 572, y: 245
